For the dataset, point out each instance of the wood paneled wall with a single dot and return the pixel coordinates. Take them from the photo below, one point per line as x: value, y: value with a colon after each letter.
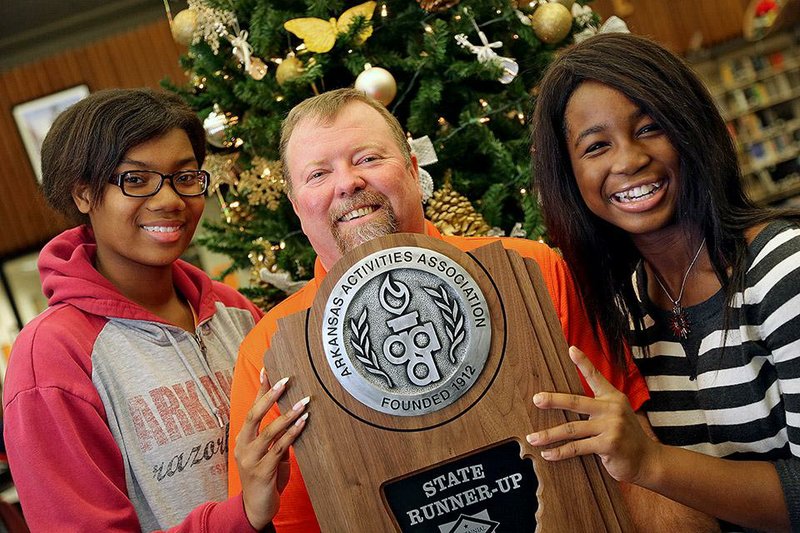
x: 137, y: 58
x: 674, y: 23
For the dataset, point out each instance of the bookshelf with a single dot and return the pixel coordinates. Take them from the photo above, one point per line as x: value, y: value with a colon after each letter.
x: 757, y: 88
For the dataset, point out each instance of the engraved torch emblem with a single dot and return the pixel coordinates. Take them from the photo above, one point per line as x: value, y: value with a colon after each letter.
x: 413, y: 343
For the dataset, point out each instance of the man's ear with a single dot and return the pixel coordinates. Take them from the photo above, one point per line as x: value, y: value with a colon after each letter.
x: 82, y: 198
x: 414, y: 167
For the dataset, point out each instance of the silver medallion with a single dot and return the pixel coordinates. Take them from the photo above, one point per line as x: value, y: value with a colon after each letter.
x: 406, y: 331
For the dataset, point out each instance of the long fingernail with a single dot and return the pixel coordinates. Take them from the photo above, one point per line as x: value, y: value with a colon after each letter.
x: 279, y: 385
x: 302, y: 403
x: 262, y: 375
x: 302, y: 420
x: 538, y: 398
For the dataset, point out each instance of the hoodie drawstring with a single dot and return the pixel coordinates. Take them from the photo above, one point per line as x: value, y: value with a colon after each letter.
x: 202, y: 390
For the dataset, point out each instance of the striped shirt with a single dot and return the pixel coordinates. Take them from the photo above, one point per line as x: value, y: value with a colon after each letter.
x: 734, y: 393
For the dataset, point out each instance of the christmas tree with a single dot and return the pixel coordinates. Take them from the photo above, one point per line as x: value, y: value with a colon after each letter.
x: 461, y: 73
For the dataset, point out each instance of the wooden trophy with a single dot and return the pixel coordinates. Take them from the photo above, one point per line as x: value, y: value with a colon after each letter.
x: 421, y: 362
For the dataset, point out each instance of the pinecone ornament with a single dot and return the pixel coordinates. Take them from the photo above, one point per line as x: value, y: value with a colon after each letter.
x: 453, y: 214
x: 236, y: 213
x: 437, y: 6
x: 261, y: 256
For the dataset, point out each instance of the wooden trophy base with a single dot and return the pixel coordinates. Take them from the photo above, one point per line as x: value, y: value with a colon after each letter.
x: 459, y: 466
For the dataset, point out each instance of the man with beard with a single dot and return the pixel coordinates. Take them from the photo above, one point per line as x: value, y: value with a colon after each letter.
x: 351, y: 177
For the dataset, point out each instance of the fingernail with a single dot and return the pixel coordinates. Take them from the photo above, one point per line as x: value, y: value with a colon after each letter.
x: 547, y: 454
x: 302, y: 403
x: 538, y: 398
x: 302, y: 420
x: 262, y: 375
x: 532, y: 438
x: 573, y: 353
x: 279, y: 385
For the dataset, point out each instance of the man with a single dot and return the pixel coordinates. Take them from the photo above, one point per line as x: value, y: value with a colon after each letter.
x: 351, y: 177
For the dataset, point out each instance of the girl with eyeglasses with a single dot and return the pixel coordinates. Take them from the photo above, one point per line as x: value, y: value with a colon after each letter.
x: 117, y: 396
x: 641, y: 189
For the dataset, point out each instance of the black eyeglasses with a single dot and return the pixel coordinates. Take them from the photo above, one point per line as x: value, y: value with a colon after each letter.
x: 143, y: 183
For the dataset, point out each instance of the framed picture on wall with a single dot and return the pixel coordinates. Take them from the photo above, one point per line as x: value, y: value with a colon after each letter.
x: 34, y: 119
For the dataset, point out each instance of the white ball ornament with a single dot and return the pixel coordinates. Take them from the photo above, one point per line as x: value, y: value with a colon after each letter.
x: 377, y: 83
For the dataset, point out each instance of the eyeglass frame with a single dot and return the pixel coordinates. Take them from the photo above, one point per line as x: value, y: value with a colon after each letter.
x: 116, y: 179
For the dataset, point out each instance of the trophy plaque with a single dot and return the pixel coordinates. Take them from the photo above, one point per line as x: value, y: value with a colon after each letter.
x: 421, y: 361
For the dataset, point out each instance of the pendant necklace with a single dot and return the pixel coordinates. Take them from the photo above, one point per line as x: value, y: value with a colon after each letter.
x: 678, y: 322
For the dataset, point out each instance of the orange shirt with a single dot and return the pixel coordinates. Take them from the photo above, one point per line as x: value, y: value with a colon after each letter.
x: 296, y: 514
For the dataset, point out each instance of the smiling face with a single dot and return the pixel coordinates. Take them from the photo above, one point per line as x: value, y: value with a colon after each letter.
x: 350, y: 181
x: 137, y: 233
x: 624, y: 164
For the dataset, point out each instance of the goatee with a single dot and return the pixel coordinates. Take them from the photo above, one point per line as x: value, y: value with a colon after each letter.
x: 384, y: 221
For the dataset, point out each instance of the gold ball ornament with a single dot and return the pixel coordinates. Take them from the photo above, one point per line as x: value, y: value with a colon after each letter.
x: 551, y: 22
x: 378, y: 83
x: 184, y: 24
x: 289, y: 69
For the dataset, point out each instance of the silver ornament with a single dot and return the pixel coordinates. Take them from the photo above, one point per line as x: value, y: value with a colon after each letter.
x: 217, y: 124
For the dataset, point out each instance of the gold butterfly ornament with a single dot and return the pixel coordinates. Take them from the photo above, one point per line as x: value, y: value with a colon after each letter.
x: 320, y: 35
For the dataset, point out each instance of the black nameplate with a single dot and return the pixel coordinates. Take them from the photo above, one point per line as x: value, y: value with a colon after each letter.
x: 491, y: 491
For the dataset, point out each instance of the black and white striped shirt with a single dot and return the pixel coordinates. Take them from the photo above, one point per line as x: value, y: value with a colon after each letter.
x: 740, y: 401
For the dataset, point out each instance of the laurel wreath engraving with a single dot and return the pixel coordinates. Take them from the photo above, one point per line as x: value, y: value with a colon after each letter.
x: 454, y: 320
x: 363, y: 347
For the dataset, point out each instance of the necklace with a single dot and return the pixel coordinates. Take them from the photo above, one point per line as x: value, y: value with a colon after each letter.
x: 678, y: 321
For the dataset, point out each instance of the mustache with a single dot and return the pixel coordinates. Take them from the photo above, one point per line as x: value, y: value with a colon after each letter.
x: 360, y: 199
